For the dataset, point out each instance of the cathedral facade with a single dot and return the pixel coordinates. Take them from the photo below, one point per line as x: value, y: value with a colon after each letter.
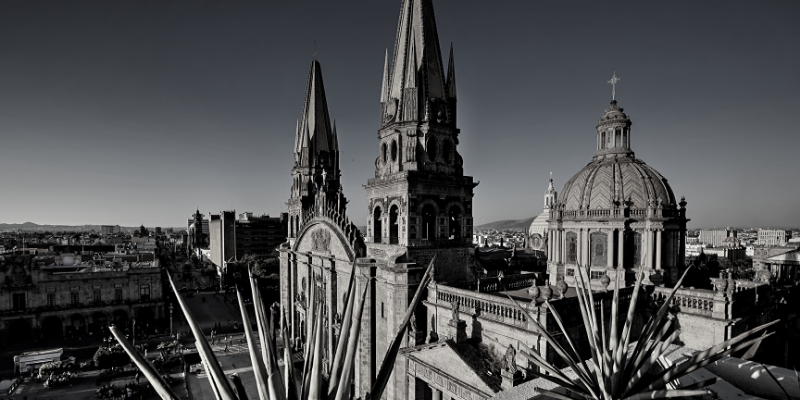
x: 419, y: 204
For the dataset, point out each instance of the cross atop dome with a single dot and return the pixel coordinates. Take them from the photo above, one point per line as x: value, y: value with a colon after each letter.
x: 613, y: 82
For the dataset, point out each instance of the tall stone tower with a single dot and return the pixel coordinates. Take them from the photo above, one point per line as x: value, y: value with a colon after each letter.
x: 419, y: 202
x: 315, y: 175
x: 419, y: 196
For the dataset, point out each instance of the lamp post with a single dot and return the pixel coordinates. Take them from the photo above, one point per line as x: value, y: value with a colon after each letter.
x: 170, y: 319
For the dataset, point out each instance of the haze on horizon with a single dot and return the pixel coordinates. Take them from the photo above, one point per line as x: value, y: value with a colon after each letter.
x: 135, y: 113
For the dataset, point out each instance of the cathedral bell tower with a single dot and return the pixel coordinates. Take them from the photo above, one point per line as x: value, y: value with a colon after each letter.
x: 419, y: 196
x: 316, y: 177
x: 419, y: 203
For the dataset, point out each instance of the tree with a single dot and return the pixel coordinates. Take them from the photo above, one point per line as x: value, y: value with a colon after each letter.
x: 111, y: 356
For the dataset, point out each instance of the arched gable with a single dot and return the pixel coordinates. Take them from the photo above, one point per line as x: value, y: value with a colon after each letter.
x: 321, y: 235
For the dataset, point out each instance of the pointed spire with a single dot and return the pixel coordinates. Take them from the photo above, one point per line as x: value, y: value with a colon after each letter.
x: 315, y: 125
x: 417, y: 57
x: 297, y: 138
x: 385, y: 85
x: 335, y: 146
x: 451, y: 75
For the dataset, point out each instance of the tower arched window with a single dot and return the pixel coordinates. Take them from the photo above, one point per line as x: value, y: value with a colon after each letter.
x: 429, y: 222
x: 618, y: 137
x: 454, y: 223
x: 384, y: 153
x: 602, y: 140
x: 394, y: 150
x: 432, y: 149
x: 377, y: 227
x: 394, y: 226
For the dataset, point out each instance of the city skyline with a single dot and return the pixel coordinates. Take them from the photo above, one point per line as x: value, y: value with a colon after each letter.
x: 139, y: 113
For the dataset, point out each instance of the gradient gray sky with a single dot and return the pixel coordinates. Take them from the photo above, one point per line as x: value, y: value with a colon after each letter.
x: 137, y: 112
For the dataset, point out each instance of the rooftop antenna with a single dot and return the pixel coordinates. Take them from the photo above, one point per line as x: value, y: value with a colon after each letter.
x: 613, y: 82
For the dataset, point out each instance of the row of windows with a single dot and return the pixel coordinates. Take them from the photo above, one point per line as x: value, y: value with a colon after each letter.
x: 19, y: 299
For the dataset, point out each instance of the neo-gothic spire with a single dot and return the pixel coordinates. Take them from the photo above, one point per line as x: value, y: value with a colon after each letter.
x: 417, y: 63
x: 314, y: 135
x: 451, y: 76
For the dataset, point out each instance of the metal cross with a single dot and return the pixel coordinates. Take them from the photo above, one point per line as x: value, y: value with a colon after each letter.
x: 613, y: 83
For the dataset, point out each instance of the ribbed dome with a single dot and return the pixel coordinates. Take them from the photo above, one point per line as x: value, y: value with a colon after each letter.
x: 606, y: 180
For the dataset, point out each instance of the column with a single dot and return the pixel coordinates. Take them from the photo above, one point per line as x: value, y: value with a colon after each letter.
x: 436, y: 394
x: 658, y: 249
x: 620, y: 248
x: 610, y: 249
x: 292, y: 293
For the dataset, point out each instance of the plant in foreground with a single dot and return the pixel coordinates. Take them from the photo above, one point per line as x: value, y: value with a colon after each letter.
x: 616, y: 372
x: 270, y: 384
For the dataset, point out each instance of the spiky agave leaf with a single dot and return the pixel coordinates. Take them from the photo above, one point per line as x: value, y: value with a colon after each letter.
x: 316, y: 379
x: 259, y: 370
x: 346, y: 374
x: 204, y: 349
x: 288, y: 365
x: 147, y: 370
x: 275, y: 387
x: 387, y: 366
x: 615, y: 375
x: 344, y: 333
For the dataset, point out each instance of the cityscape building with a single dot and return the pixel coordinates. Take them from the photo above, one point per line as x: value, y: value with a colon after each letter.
x: 70, y: 295
x: 715, y: 237
x: 773, y: 237
x: 231, y: 238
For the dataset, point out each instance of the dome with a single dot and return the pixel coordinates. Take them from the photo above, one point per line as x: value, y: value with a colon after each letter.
x: 539, y: 225
x: 615, y: 175
x: 606, y: 181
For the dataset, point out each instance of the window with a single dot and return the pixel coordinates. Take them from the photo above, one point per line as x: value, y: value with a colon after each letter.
x: 51, y: 299
x: 19, y: 301
x: 144, y: 292
x: 572, y: 247
x: 74, y: 298
x: 570, y: 272
x: 447, y: 152
x: 602, y: 140
x: 382, y: 316
x: 394, y: 150
x: 597, y: 274
x: 618, y: 138
x: 97, y: 296
x: 118, y: 294
x: 384, y: 153
x: 432, y: 149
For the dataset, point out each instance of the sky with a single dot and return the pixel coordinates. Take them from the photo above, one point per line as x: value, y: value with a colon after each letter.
x: 139, y: 112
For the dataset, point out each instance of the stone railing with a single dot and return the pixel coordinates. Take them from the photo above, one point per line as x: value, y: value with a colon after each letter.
x: 482, y: 305
x: 694, y: 301
x: 511, y: 282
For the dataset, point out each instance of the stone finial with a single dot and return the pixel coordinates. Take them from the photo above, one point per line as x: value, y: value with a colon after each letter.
x: 605, y: 280
x: 534, y: 291
x: 562, y: 287
x: 547, y: 291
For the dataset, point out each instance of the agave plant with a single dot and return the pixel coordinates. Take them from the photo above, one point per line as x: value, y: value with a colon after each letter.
x: 616, y: 371
x: 270, y: 384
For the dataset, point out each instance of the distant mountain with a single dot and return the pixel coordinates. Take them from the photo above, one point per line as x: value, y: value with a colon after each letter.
x: 518, y: 224
x: 34, y: 227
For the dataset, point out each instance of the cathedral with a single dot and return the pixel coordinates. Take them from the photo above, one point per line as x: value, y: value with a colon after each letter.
x: 615, y: 216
